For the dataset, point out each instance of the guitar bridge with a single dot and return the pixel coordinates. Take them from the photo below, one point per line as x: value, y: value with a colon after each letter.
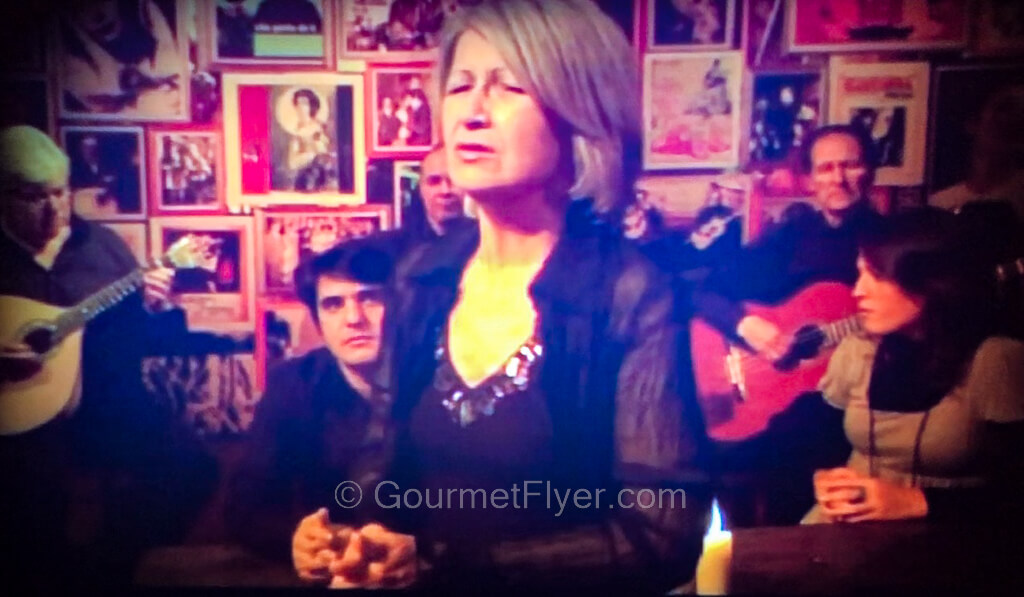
x: 734, y: 368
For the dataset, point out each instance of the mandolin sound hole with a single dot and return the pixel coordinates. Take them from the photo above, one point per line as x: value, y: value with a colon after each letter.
x: 40, y: 340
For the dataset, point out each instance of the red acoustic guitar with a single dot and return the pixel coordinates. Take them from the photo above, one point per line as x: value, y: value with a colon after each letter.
x: 739, y: 391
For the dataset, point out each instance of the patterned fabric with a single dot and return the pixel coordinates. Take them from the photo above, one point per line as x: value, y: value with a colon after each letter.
x: 213, y: 394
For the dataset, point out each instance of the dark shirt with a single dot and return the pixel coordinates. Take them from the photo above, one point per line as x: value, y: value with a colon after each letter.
x: 310, y: 433
x: 163, y: 475
x: 622, y: 412
x: 803, y: 250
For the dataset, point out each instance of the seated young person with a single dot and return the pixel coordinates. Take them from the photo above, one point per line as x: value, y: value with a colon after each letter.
x: 933, y: 400
x: 321, y: 420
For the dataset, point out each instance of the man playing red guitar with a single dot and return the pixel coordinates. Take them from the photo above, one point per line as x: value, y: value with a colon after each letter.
x: 809, y: 246
x: 51, y: 256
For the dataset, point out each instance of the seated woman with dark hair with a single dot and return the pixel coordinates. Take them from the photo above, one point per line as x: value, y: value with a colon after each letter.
x: 934, y: 401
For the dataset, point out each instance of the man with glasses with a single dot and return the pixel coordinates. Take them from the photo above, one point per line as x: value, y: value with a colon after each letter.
x: 153, y: 478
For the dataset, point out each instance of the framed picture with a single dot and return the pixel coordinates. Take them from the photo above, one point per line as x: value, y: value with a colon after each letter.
x: 889, y: 101
x: 125, y: 60
x: 284, y: 330
x: 679, y: 26
x: 998, y: 27
x: 26, y: 99
x: 218, y: 293
x: 972, y: 102
x: 406, y: 187
x: 268, y: 32
x: 134, y: 235
x: 294, y: 139
x: 877, y: 25
x: 688, y: 201
x: 391, y: 29
x: 106, y: 171
x: 692, y: 110
x: 285, y: 238
x: 186, y: 171
x: 403, y: 110
x: 785, y: 107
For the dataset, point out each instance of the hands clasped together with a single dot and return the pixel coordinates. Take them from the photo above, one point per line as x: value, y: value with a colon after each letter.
x: 367, y: 557
x: 846, y: 495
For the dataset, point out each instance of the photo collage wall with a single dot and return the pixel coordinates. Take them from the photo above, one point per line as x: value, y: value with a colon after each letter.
x: 276, y: 128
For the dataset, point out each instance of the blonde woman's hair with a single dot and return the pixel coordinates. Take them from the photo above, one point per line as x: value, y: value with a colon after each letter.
x: 29, y: 156
x: 579, y: 66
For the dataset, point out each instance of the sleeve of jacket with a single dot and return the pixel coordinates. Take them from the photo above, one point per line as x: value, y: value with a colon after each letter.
x: 259, y: 512
x: 651, y: 538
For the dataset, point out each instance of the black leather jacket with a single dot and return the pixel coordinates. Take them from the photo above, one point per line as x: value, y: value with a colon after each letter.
x: 621, y: 401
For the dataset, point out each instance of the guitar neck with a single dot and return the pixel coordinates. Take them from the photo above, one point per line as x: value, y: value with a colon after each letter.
x: 837, y: 330
x: 77, y: 316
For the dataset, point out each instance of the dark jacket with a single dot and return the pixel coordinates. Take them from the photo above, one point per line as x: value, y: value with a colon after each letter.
x: 311, y: 432
x: 623, y: 411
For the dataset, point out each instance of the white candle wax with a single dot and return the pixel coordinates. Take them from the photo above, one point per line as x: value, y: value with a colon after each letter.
x: 713, y: 566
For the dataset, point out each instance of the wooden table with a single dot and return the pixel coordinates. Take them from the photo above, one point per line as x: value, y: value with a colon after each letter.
x: 813, y: 559
x: 848, y: 558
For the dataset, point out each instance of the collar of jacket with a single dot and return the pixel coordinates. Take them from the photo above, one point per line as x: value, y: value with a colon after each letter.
x: 567, y: 281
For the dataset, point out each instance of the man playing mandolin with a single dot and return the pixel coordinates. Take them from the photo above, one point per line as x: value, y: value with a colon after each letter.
x: 107, y: 429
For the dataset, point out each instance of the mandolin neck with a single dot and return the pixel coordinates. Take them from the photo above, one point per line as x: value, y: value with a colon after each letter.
x: 77, y: 316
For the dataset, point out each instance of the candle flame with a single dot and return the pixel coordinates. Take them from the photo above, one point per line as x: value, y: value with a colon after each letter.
x: 717, y: 524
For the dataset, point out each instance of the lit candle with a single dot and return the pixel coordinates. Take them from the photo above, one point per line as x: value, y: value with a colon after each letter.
x: 713, y: 566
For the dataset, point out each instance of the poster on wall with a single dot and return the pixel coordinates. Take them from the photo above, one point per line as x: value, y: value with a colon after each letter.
x: 284, y: 238
x: 392, y: 29
x: 186, y: 171
x: 889, y: 102
x: 124, y: 60
x: 845, y: 26
x: 266, y: 32
x: 294, y: 139
x: 785, y: 108
x: 708, y: 204
x: 403, y: 110
x: 106, y: 173
x: 675, y: 25
x: 692, y: 110
x: 406, y: 188
x: 217, y: 294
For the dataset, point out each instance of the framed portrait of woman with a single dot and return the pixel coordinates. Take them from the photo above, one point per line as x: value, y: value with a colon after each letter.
x: 186, y: 171
x: 403, y: 110
x: 287, y: 236
x: 692, y: 110
x: 689, y: 25
x: 216, y: 294
x: 294, y: 139
x: 256, y: 33
x: 124, y: 60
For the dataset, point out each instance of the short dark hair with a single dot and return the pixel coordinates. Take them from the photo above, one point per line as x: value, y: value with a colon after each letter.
x: 867, y: 147
x: 314, y: 101
x: 360, y: 260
